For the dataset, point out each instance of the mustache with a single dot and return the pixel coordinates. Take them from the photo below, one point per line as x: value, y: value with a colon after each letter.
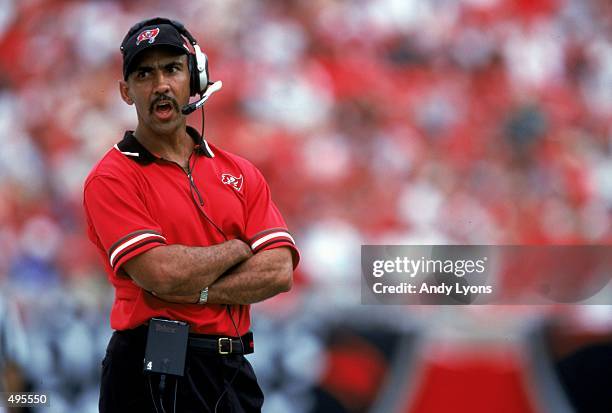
x: 164, y: 98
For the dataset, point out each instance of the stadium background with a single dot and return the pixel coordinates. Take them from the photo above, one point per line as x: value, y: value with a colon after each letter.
x: 374, y: 121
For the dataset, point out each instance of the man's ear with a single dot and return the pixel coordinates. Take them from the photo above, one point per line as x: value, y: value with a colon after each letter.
x: 124, y: 90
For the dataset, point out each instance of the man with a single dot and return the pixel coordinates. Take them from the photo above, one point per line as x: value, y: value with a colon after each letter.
x: 187, y: 232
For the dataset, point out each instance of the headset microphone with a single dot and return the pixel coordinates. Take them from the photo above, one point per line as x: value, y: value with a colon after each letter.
x: 189, y: 108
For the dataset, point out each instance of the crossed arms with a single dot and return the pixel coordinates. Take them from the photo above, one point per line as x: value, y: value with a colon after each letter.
x: 233, y: 275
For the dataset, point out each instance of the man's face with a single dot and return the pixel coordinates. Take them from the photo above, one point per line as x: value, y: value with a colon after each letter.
x: 158, y: 86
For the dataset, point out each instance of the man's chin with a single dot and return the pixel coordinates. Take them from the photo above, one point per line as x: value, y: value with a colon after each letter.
x: 166, y: 126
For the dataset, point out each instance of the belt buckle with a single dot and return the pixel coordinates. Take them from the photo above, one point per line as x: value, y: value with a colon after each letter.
x: 223, y: 340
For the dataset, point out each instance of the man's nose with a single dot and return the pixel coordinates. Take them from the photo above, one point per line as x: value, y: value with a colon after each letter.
x: 161, y: 84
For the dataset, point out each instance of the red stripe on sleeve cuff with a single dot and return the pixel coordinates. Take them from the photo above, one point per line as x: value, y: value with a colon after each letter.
x: 129, y: 244
x: 267, y: 236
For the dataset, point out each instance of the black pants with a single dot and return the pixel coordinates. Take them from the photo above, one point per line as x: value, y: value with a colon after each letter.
x: 125, y: 388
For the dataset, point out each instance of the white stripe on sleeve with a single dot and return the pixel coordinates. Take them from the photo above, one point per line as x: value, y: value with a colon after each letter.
x: 132, y: 242
x: 272, y: 236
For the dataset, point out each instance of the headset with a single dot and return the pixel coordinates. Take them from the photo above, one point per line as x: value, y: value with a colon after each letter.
x: 197, y: 61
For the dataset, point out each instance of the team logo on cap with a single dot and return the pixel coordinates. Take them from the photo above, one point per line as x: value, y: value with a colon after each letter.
x: 149, y: 35
x: 236, y: 183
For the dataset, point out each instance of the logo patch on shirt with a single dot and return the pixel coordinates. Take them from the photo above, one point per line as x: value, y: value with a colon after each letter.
x: 236, y: 183
x: 149, y: 35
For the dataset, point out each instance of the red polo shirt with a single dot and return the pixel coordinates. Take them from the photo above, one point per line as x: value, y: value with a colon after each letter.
x: 135, y: 201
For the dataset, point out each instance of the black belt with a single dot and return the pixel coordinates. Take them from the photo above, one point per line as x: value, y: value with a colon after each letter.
x: 223, y: 345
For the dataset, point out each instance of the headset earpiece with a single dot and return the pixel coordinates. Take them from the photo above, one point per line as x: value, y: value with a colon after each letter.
x: 199, y: 74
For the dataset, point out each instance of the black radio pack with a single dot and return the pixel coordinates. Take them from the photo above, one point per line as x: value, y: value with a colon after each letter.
x: 166, y: 347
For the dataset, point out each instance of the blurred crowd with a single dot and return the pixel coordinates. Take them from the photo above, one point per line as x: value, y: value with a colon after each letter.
x: 374, y: 121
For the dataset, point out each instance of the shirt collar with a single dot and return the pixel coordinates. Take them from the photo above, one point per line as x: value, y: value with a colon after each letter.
x: 129, y: 146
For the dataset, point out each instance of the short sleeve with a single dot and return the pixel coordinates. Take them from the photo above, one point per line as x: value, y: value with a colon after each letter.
x: 119, y: 219
x: 265, y: 226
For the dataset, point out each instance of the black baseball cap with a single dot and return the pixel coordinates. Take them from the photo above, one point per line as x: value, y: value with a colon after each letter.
x: 155, y: 35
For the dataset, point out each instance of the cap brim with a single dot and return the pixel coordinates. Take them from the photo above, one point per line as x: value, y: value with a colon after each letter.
x: 129, y: 63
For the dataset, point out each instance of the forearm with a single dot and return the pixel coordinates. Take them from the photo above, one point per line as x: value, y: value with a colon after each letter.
x: 262, y: 276
x: 181, y: 270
